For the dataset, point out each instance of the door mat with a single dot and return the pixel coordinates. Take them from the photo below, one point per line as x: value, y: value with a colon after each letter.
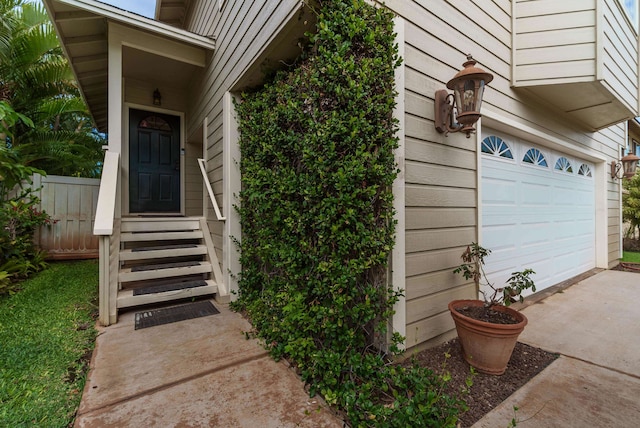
x: 176, y: 313
x: 169, y: 287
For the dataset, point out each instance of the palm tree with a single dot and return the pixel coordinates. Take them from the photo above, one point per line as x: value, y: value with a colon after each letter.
x: 36, y: 81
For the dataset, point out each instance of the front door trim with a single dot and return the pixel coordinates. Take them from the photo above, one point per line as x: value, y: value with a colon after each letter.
x: 125, y: 154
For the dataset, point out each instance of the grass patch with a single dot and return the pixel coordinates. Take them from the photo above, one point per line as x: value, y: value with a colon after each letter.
x: 630, y: 257
x: 46, y: 338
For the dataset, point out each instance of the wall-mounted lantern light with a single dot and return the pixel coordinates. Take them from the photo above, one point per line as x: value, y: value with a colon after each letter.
x: 468, y: 86
x: 627, y: 166
x: 157, y: 98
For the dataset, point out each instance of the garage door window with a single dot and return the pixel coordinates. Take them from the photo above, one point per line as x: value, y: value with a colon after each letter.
x: 585, y: 170
x: 496, y: 146
x: 535, y: 157
x: 564, y: 165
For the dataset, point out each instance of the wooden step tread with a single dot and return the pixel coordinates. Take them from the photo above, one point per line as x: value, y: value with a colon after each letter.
x: 126, y: 298
x: 169, y: 287
x: 165, y: 266
x: 160, y: 236
x: 160, y: 224
x: 164, y: 247
x: 126, y: 275
x: 158, y: 252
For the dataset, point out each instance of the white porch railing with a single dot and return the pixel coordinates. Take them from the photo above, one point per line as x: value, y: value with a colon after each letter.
x: 212, y: 196
x: 106, y: 208
x: 103, y: 227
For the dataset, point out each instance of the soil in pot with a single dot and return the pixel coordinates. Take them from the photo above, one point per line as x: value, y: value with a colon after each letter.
x: 482, y: 313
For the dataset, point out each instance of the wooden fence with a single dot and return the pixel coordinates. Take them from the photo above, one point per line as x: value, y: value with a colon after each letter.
x: 71, y: 202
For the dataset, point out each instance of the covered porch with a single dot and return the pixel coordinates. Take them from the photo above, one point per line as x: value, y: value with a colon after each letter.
x: 137, y: 76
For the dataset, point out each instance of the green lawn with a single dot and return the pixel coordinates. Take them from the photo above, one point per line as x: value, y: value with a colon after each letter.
x: 628, y: 256
x: 46, y: 333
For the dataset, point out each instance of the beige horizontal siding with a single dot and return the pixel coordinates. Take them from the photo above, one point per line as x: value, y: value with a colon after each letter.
x: 428, y: 306
x: 538, y: 73
x: 556, y: 54
x: 620, y: 57
x: 441, y: 194
x: 439, y: 217
x: 194, y: 185
x: 560, y: 37
x: 433, y: 282
x: 555, y: 41
x: 432, y: 239
x: 441, y: 177
x: 553, y: 7
x: 544, y: 22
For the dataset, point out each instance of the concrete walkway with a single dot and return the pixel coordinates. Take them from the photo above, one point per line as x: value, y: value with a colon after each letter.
x: 197, y: 373
x: 595, y: 326
x: 205, y: 373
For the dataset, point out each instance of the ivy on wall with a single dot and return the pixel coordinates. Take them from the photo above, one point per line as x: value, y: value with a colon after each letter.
x: 317, y: 145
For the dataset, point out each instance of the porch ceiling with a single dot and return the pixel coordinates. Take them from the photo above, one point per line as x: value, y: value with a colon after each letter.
x: 82, y: 27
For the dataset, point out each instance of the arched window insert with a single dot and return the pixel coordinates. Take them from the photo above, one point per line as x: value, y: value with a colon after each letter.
x: 496, y: 146
x: 564, y: 165
x: 585, y: 170
x: 535, y: 157
x: 154, y: 122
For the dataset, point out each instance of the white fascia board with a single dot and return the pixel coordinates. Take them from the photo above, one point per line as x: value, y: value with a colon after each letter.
x: 147, y: 24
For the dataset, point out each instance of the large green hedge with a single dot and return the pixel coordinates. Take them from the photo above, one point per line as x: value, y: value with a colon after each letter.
x: 317, y: 145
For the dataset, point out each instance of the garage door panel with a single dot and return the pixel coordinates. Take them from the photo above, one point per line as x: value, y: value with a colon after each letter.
x: 504, y: 193
x: 564, y: 196
x: 534, y: 234
x: 500, y: 238
x: 538, y: 218
x: 532, y: 194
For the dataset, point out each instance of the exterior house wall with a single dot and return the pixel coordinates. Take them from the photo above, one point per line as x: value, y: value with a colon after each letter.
x: 442, y: 214
x: 540, y: 56
x: 620, y: 56
x: 580, y: 55
x: 194, y: 188
x: 576, y: 41
x: 242, y: 31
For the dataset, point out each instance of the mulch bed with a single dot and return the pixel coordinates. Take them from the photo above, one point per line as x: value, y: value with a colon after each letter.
x: 487, y: 391
x: 628, y: 267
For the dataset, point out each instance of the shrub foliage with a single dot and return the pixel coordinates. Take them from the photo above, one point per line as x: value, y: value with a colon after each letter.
x: 317, y: 145
x: 19, y: 215
x: 631, y: 205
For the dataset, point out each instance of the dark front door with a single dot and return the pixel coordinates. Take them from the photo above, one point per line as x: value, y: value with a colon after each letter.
x: 154, y: 162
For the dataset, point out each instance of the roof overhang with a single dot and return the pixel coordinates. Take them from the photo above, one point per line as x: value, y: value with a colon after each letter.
x: 172, y: 12
x: 83, y: 29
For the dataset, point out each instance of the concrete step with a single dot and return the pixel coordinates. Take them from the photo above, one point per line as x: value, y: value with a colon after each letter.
x: 126, y: 298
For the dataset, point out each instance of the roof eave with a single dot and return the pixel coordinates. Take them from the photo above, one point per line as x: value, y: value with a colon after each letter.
x: 139, y: 21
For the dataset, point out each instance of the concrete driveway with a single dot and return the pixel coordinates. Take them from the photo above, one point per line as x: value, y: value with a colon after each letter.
x: 595, y: 326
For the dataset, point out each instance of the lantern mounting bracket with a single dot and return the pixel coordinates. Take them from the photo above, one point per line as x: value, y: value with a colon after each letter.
x: 626, y: 168
x: 468, y: 86
x: 444, y: 121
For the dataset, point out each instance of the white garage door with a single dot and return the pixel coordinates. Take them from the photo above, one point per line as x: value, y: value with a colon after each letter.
x: 538, y: 211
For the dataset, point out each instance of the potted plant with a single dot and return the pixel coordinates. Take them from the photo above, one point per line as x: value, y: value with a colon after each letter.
x: 488, y: 329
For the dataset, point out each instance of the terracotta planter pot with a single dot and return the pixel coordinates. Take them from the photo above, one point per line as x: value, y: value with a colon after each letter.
x: 486, y: 346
